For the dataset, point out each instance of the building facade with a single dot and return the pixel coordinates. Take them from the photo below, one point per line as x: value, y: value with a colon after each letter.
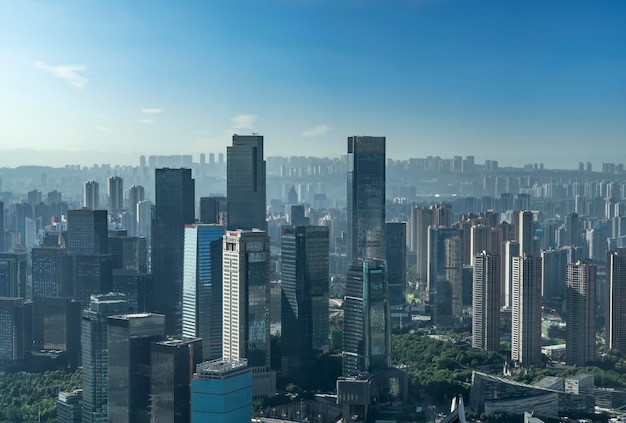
x: 395, y: 235
x: 581, y: 313
x: 616, y: 300
x: 526, y: 311
x: 486, y: 302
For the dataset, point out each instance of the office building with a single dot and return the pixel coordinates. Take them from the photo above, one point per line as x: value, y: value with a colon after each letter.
x: 213, y: 210
x: 615, y: 307
x: 92, y: 275
x: 245, y: 305
x: 395, y: 235
x: 581, y: 314
x: 129, y: 342
x: 91, y: 195
x: 304, y: 308
x: 136, y: 193
x: 131, y: 253
x: 51, y: 273
x: 13, y: 275
x: 87, y: 232
x: 486, y: 302
x: 95, y: 354
x: 202, y: 287
x: 221, y: 392
x: 245, y: 183
x: 526, y: 311
x: 366, y: 343
x: 145, y: 211
x: 366, y: 198
x: 171, y: 372
x: 116, y: 194
x: 69, y: 406
x: 445, y: 276
x: 56, y: 326
x: 421, y: 219
x: 14, y: 334
x: 174, y: 209
x: 138, y: 288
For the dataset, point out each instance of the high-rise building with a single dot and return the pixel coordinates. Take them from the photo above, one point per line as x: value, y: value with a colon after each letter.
x: 245, y: 183
x: 87, y: 232
x: 581, y: 314
x: 129, y: 342
x: 486, y: 302
x: 202, y: 287
x: 14, y: 340
x: 526, y: 310
x: 245, y: 305
x: 395, y: 235
x: 13, y: 275
x: 304, y: 309
x: 616, y: 300
x: 524, y: 228
x: 144, y: 219
x: 51, y: 273
x: 2, y: 246
x: 172, y: 364
x: 367, y: 319
x: 421, y: 219
x: 91, y: 195
x: 174, y: 209
x: 92, y: 275
x: 366, y: 198
x: 221, y: 392
x: 69, y: 406
x: 136, y: 193
x: 511, y: 250
x: 445, y: 275
x: 213, y: 210
x: 553, y: 274
x: 573, y: 230
x: 56, y: 326
x: 95, y: 354
x: 116, y: 194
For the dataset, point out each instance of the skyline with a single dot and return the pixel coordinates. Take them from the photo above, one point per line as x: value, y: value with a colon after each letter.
x: 436, y: 77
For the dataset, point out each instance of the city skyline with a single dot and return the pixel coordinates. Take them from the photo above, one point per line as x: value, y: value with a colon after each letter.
x: 432, y: 76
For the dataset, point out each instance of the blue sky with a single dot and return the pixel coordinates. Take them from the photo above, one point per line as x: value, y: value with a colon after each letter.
x: 519, y: 81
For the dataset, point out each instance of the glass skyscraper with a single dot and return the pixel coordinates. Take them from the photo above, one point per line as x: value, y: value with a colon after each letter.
x: 202, y: 287
x: 245, y: 183
x: 367, y: 323
x: 174, y: 209
x: 366, y: 198
x: 304, y: 310
x: 87, y: 232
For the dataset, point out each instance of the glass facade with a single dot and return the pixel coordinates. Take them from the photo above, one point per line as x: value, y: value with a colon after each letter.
x: 51, y: 273
x: 445, y: 275
x: 245, y: 183
x: 304, y: 310
x: 13, y: 344
x: 93, y: 275
x: 366, y: 197
x: 395, y: 235
x: 202, y: 287
x: 13, y: 275
x: 87, y: 232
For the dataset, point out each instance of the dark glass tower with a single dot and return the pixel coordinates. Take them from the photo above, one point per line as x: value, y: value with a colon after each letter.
x: 304, y: 311
x: 213, y: 210
x: 367, y: 318
x: 245, y: 183
x: 51, y: 273
x: 95, y: 354
x: 580, y: 346
x: 87, y: 232
x: 395, y: 234
x: 13, y: 275
x: 174, y: 209
x: 366, y: 198
x: 2, y: 246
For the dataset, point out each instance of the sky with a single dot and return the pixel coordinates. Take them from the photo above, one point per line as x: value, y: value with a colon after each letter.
x: 517, y: 81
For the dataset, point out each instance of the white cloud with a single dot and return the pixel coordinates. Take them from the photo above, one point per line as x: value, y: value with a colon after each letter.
x: 152, y: 111
x: 103, y: 129
x: 146, y: 121
x: 69, y: 73
x: 243, y: 121
x: 316, y: 131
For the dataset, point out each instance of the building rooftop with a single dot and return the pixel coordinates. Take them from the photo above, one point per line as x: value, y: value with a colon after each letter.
x: 216, y: 369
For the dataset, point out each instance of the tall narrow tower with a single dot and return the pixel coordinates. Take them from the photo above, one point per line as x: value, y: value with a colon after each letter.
x: 366, y: 198
x: 486, y: 302
x: 245, y: 305
x: 526, y: 311
x: 91, y: 195
x: 116, y: 194
x: 245, y: 183
x: 616, y: 300
x: 581, y: 313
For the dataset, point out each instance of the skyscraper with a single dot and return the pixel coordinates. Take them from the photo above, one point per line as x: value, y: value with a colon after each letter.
x: 213, y: 210
x: 245, y: 305
x: 202, y: 287
x: 245, y: 183
x: 91, y: 195
x: 116, y: 194
x: 87, y: 232
x: 486, y: 302
x: 616, y: 300
x: 525, y: 232
x: 367, y: 326
x: 421, y: 219
x: 526, y: 311
x: 366, y: 198
x: 171, y: 364
x: 395, y: 235
x: 95, y: 354
x: 174, y: 209
x: 2, y: 246
x: 129, y: 339
x: 581, y: 314
x: 445, y: 278
x: 304, y: 310
x: 13, y: 275
x: 14, y: 340
x: 51, y: 273
x: 511, y: 250
x: 136, y: 193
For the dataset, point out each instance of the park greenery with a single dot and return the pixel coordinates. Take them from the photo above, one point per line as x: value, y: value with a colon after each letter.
x: 26, y: 397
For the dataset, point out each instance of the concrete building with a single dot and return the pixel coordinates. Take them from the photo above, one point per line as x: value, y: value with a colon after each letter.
x: 486, y: 302
x: 616, y: 300
x: 91, y: 195
x: 526, y: 311
x: 581, y: 314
